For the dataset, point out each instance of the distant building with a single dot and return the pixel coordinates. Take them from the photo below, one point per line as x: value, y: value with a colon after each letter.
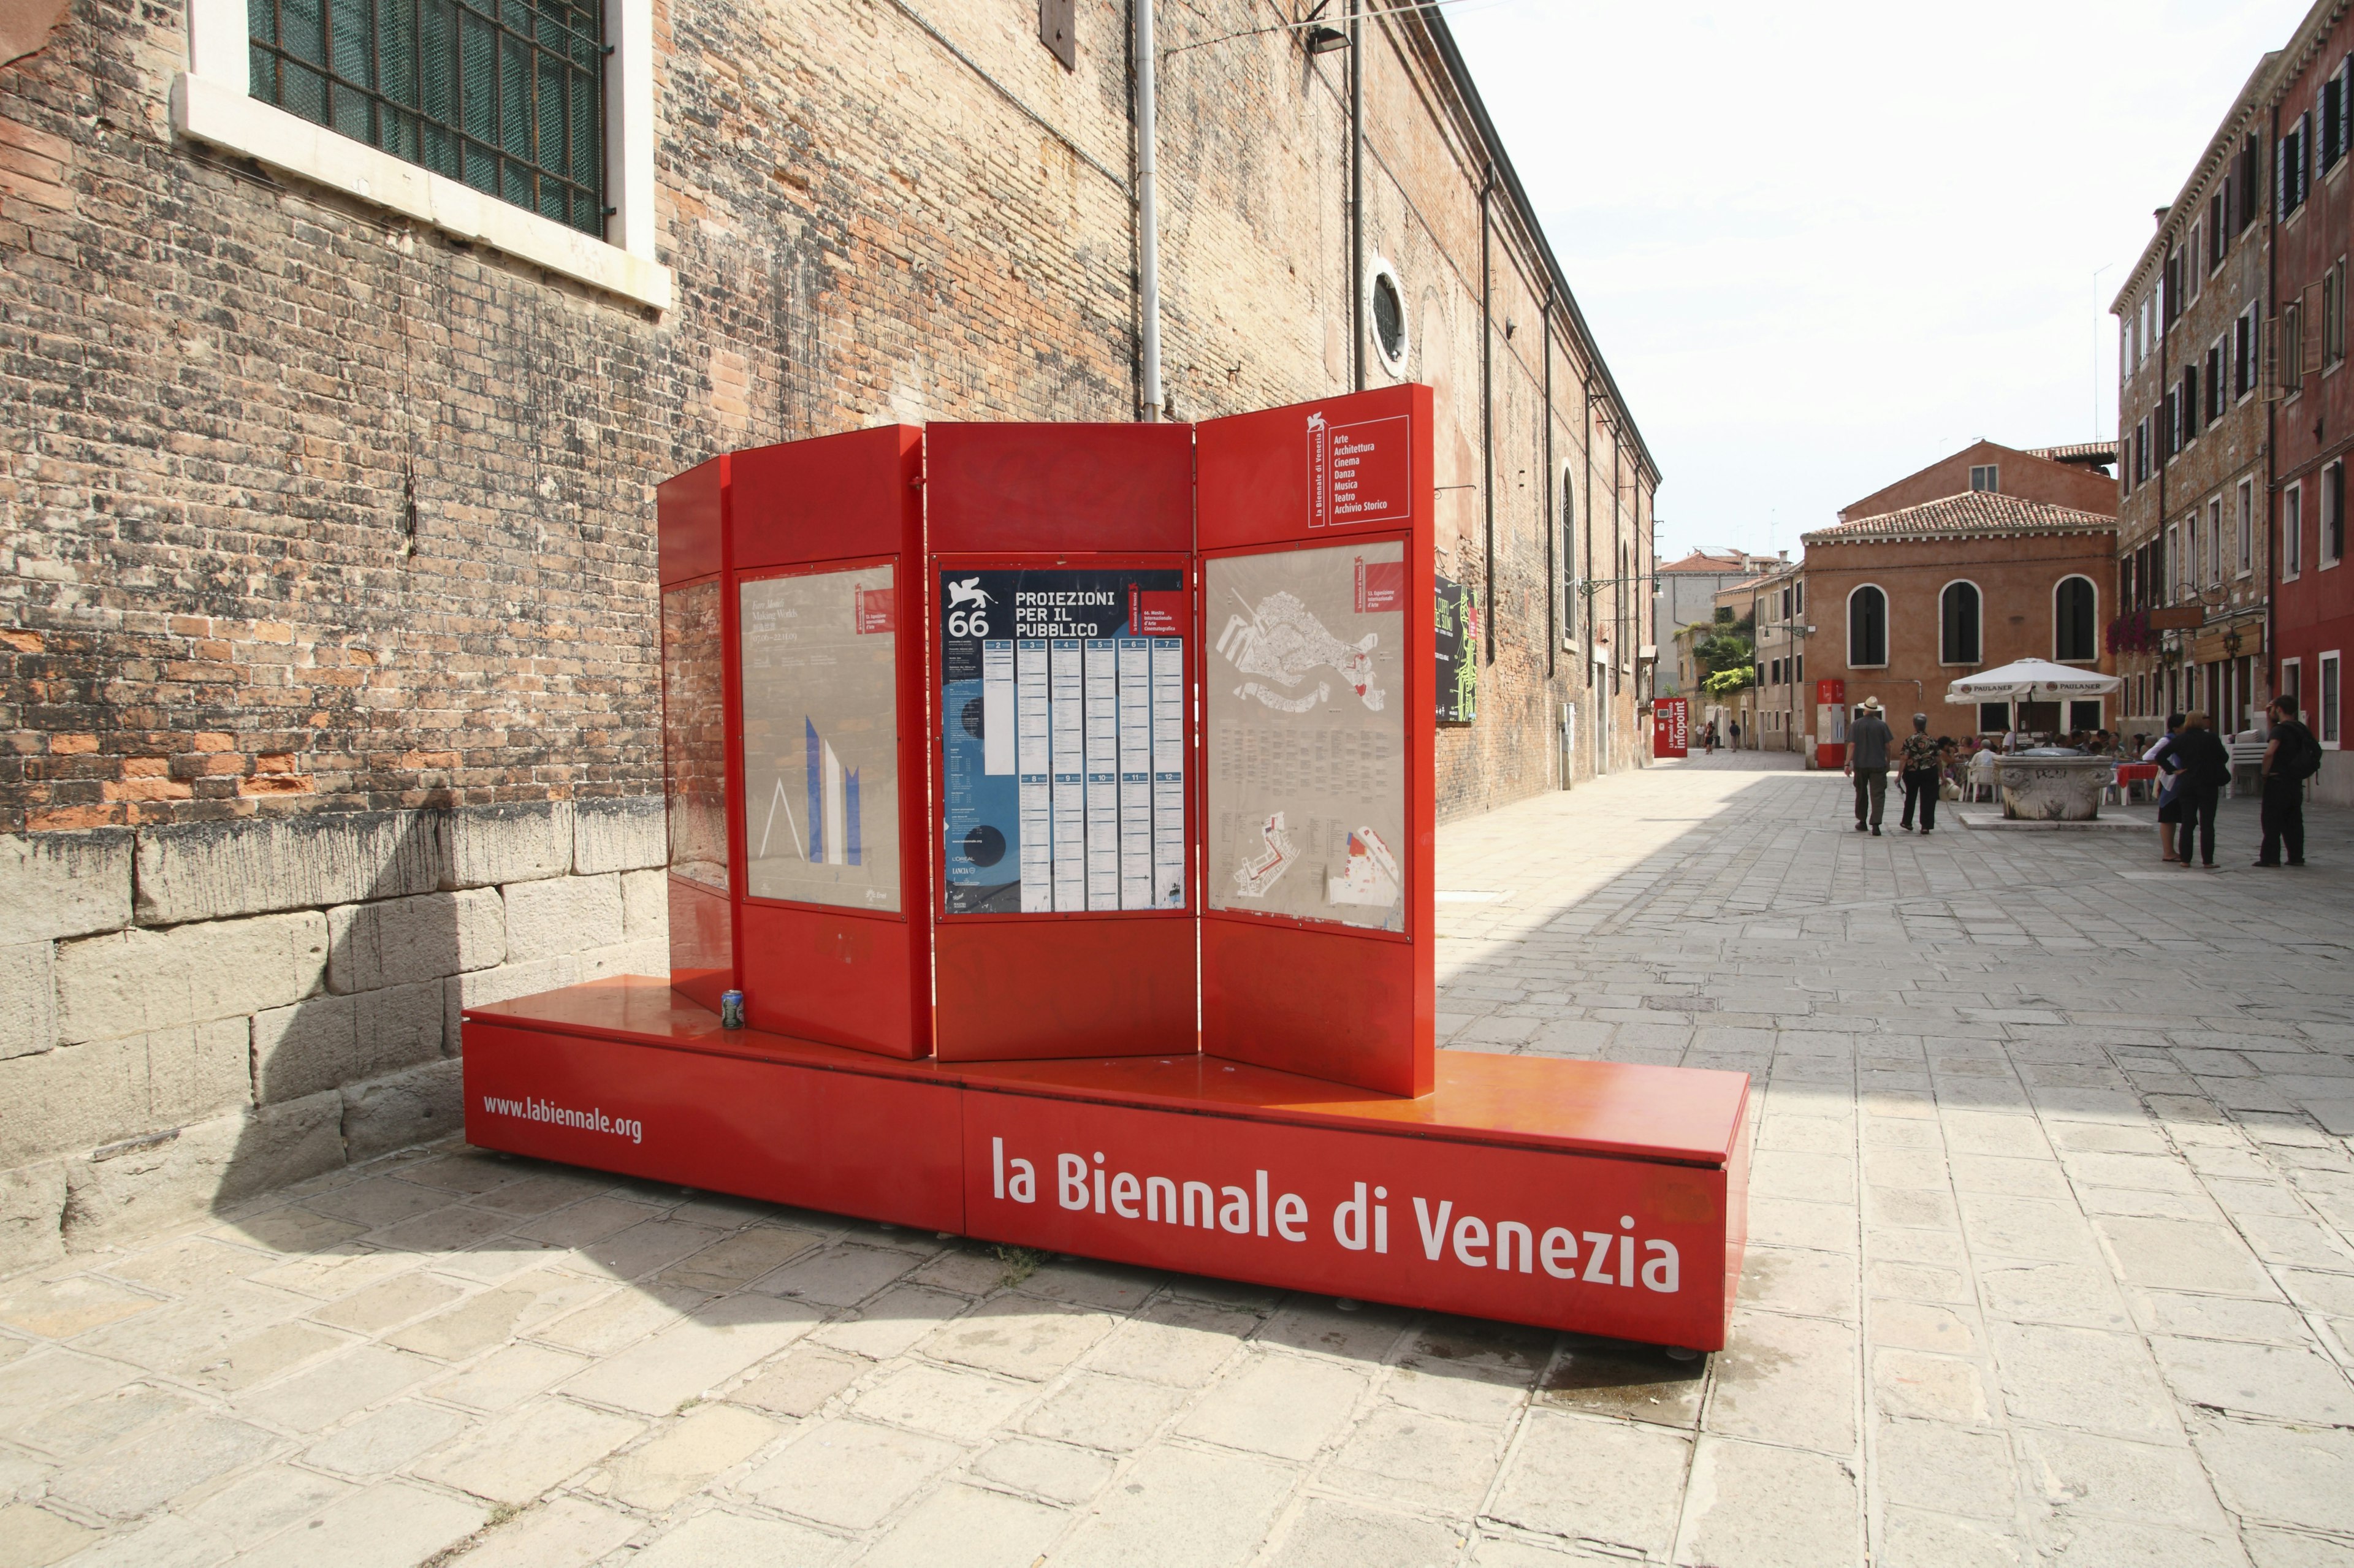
x: 1990, y: 554
x: 2310, y: 423
x: 1684, y: 593
x: 2184, y: 621
x: 1773, y: 711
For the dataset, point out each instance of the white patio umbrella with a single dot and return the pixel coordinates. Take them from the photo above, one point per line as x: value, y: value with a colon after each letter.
x: 2030, y: 680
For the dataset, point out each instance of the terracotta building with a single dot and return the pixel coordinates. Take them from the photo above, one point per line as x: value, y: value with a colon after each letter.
x: 2187, y: 627
x: 2310, y: 415
x: 1913, y: 589
x: 327, y: 595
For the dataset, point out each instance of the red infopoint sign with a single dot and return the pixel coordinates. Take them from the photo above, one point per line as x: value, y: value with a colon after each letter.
x: 971, y: 735
x: 1671, y: 726
x: 1831, y: 723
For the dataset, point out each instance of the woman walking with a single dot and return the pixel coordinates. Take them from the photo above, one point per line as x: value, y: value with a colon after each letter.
x: 2204, y: 768
x: 1923, y: 769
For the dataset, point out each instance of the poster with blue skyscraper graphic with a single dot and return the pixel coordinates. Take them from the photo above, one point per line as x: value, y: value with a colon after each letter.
x: 821, y: 738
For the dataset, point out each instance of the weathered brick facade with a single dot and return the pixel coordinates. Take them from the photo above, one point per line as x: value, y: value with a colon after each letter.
x: 2192, y: 544
x: 311, y: 510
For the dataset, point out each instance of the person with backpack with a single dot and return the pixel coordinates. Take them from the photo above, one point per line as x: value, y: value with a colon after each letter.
x: 2291, y: 758
x: 2204, y: 770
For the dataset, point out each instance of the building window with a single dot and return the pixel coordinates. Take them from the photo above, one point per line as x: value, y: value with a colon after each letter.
x: 2288, y: 348
x: 2215, y: 542
x: 508, y: 99
x: 1957, y: 620
x: 2075, y: 607
x: 1867, y: 628
x: 2218, y: 355
x: 2333, y: 513
x: 2291, y: 543
x: 2218, y: 238
x: 2243, y: 353
x: 1983, y: 476
x: 2141, y: 451
x: 2246, y: 553
x: 2292, y: 685
x: 2333, y: 118
x: 2325, y: 711
x: 2193, y: 271
x: 2290, y: 169
x: 2168, y: 589
x: 1569, y: 594
x: 2333, y: 315
x: 1994, y: 718
x: 2084, y: 714
x: 2169, y: 286
x: 1386, y: 314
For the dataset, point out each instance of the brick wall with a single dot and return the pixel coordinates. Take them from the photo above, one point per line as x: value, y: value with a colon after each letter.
x: 327, y: 558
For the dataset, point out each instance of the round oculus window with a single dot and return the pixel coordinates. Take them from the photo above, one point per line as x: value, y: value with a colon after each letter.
x: 1385, y: 308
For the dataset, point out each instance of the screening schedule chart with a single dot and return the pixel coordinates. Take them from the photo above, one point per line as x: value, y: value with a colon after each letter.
x: 1099, y: 742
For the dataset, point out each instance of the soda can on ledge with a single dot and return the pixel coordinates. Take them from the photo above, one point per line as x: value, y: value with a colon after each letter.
x: 731, y: 1009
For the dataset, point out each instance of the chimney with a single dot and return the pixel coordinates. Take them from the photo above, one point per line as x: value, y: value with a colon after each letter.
x: 2158, y: 217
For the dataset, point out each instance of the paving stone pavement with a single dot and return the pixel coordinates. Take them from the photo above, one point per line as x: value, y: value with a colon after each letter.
x: 2050, y: 1263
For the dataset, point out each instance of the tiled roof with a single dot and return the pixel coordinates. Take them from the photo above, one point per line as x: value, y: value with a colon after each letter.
x: 1703, y: 561
x: 2082, y: 453
x: 1973, y: 512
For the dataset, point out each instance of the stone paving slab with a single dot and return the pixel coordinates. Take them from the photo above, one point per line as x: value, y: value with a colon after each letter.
x: 2053, y: 1261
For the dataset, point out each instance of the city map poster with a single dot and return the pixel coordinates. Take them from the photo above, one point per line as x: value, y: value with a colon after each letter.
x: 1063, y: 739
x: 1304, y: 707
x: 1457, y: 685
x: 822, y: 738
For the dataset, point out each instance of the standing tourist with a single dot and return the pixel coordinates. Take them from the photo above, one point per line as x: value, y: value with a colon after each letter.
x: 2203, y: 768
x: 2169, y: 779
x: 1922, y: 771
x: 1868, y: 741
x: 2291, y: 758
x: 1736, y: 732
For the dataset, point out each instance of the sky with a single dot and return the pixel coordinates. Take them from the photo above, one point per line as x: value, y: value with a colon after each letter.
x: 1823, y: 243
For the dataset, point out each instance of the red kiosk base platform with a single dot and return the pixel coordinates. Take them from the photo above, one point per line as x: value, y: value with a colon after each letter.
x: 1593, y: 1196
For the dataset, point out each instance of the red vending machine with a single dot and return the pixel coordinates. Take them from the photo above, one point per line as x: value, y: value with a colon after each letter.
x: 1061, y: 641
x: 793, y: 706
x: 1319, y: 651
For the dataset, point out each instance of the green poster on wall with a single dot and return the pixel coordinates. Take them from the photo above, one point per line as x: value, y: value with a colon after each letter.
x: 1459, y: 658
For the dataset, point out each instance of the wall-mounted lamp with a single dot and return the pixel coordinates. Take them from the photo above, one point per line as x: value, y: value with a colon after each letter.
x: 1322, y: 40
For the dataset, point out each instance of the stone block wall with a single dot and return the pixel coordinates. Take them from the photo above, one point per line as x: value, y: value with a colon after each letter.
x: 172, y: 1036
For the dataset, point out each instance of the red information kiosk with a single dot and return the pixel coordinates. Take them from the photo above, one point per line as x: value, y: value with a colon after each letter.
x: 1130, y: 693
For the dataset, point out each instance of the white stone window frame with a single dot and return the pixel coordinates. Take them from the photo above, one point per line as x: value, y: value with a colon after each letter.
x: 211, y: 103
x: 2330, y: 698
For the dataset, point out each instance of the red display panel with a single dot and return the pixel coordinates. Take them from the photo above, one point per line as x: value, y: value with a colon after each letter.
x: 688, y: 510
x: 836, y: 520
x: 1319, y: 655
x: 1062, y: 615
x: 814, y: 552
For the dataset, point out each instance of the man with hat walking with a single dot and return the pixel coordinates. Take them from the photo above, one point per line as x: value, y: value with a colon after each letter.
x: 1868, y: 743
